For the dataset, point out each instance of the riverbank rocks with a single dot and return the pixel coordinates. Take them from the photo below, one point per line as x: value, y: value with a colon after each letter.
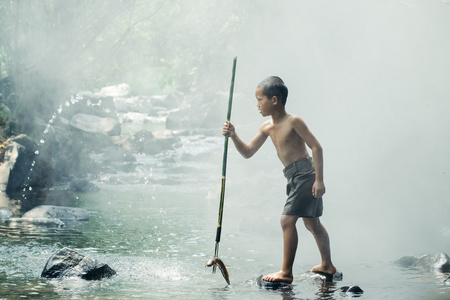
x: 96, y: 114
x: 439, y: 262
x: 68, y: 263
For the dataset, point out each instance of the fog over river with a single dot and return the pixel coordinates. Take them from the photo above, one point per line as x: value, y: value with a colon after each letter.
x: 371, y: 80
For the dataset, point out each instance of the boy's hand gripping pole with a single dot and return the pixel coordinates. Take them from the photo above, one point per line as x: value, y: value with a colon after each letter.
x: 224, y: 166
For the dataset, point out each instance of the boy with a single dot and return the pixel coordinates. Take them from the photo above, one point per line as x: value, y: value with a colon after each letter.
x: 305, y: 188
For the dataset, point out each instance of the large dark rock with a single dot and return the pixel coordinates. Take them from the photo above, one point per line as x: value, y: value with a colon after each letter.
x: 21, y: 167
x: 17, y: 163
x: 68, y: 263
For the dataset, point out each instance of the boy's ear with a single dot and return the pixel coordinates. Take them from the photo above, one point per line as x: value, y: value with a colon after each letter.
x: 274, y: 100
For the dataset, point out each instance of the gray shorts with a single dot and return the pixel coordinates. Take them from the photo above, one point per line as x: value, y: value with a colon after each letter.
x: 300, y: 202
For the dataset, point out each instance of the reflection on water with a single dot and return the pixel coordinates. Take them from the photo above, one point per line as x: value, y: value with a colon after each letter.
x: 156, y: 226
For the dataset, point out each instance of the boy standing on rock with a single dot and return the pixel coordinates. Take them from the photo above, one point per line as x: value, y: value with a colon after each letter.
x: 305, y: 187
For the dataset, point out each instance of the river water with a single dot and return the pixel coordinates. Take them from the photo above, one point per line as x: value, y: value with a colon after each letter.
x: 156, y: 227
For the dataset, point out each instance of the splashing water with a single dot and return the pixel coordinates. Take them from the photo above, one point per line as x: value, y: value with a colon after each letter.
x: 74, y: 100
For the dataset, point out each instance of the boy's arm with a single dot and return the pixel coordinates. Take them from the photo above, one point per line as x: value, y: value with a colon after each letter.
x: 246, y: 150
x: 317, y: 152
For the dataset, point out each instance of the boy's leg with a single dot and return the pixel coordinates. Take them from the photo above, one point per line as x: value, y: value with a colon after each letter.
x: 323, y: 243
x: 290, y: 241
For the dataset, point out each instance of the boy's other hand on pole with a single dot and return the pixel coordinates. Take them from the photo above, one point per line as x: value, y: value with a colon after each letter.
x: 228, y: 129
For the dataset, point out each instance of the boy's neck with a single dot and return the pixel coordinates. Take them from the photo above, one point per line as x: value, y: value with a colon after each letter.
x: 279, y: 115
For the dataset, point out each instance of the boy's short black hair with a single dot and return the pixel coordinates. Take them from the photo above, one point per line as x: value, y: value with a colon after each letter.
x: 274, y: 86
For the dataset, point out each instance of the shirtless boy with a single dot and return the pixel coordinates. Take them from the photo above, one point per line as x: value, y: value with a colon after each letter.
x: 305, y: 188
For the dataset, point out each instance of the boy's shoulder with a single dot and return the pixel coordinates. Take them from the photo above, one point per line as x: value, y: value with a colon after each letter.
x: 295, y: 117
x: 266, y: 125
x: 296, y: 120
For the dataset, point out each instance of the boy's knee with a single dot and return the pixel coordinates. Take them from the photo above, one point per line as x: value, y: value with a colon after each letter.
x: 287, y: 221
x: 311, y: 224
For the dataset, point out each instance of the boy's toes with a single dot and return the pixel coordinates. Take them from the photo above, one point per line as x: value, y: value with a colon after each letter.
x: 278, y: 277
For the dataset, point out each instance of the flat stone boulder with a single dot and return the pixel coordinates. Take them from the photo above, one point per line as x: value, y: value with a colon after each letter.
x: 46, y: 222
x: 63, y: 213
x: 68, y: 263
x: 96, y: 124
x: 439, y: 262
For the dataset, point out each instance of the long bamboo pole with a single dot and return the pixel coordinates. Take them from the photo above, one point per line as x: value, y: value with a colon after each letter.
x: 224, y: 165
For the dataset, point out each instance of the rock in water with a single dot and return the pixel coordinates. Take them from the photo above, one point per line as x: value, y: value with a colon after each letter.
x: 353, y: 289
x: 63, y: 213
x: 442, y: 262
x: 439, y: 262
x: 338, y: 276
x: 68, y: 263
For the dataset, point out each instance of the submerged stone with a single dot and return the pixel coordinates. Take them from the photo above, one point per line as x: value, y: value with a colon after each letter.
x: 63, y: 213
x: 338, y: 276
x: 273, y: 285
x: 68, y: 263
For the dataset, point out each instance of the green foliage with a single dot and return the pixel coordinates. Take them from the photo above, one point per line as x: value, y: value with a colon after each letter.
x: 53, y: 48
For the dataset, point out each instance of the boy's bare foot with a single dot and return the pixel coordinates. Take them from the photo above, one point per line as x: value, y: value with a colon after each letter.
x: 325, y: 270
x: 279, y: 276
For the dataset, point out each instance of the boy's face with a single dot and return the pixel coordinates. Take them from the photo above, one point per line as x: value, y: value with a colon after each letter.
x: 264, y: 104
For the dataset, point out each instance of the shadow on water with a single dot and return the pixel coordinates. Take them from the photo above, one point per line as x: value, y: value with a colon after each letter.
x: 322, y: 289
